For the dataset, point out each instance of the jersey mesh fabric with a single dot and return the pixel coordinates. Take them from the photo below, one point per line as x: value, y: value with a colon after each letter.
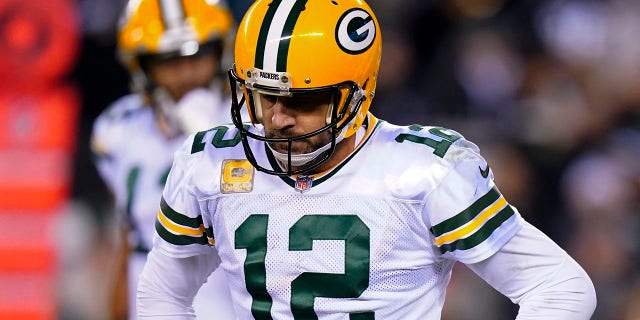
x: 399, y: 275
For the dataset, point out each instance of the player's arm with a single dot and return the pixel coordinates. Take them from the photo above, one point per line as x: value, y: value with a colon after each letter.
x: 168, y: 285
x: 181, y: 258
x: 472, y: 222
x: 106, y: 136
x: 534, y: 272
x: 104, y: 139
x: 119, y: 295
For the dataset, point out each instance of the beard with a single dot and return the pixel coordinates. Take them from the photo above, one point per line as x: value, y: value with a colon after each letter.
x: 303, y: 146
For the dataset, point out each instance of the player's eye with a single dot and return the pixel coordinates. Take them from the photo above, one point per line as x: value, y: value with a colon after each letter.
x: 268, y: 100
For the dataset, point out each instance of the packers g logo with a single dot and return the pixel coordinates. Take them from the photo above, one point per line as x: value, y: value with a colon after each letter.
x: 355, y: 31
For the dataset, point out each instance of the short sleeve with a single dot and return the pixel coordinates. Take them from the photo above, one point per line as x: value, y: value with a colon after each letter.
x: 180, y: 230
x: 470, y: 219
x: 104, y: 138
x: 110, y: 131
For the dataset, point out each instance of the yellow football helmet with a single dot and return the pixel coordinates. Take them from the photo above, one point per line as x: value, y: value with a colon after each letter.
x: 169, y: 28
x: 288, y: 47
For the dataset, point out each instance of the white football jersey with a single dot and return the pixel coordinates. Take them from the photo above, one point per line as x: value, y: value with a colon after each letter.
x: 373, y: 238
x: 134, y: 158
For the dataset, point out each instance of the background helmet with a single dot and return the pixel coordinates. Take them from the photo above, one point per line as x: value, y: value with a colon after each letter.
x: 286, y: 47
x: 169, y: 28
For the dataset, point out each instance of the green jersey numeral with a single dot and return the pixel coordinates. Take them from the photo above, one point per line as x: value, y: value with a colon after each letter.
x: 440, y: 147
x: 217, y: 141
x: 252, y: 236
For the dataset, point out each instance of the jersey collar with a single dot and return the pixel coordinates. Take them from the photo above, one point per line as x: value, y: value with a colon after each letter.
x: 370, y: 124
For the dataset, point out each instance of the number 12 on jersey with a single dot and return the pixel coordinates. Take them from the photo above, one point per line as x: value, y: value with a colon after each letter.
x: 252, y: 236
x: 440, y: 147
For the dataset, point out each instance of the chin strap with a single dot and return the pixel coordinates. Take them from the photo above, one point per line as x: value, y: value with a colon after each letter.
x: 302, y: 159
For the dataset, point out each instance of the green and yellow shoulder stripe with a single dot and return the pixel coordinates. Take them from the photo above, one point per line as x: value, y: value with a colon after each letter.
x: 475, y: 224
x: 179, y: 229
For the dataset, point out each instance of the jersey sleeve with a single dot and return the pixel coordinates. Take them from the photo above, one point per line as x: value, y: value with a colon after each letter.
x: 534, y: 272
x: 104, y: 139
x: 108, y: 134
x: 470, y: 219
x: 180, y: 228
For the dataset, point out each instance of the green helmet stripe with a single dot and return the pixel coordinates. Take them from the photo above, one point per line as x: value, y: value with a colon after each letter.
x: 285, y: 40
x: 279, y: 21
x: 264, y: 32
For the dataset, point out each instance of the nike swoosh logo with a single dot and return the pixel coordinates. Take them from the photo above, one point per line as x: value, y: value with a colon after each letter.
x: 484, y: 173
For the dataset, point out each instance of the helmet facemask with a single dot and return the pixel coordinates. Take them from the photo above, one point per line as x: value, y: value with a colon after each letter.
x: 345, y: 101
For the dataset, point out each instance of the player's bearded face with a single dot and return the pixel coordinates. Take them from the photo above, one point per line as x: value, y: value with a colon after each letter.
x: 180, y: 75
x: 286, y: 117
x: 304, y: 146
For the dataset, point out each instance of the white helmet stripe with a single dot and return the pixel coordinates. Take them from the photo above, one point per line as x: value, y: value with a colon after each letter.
x: 275, y: 34
x: 273, y: 42
x: 172, y: 13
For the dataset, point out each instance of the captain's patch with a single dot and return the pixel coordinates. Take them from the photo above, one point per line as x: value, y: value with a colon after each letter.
x: 237, y: 176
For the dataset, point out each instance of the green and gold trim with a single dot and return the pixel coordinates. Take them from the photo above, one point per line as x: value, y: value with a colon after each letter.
x: 473, y: 225
x: 179, y: 229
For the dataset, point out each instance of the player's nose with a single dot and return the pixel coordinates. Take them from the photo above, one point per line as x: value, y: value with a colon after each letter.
x: 283, y: 116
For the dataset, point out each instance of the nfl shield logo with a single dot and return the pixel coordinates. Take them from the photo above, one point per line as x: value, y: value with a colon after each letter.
x: 304, y: 183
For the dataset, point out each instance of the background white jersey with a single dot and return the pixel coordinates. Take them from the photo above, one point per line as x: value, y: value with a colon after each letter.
x: 373, y: 238
x: 134, y: 158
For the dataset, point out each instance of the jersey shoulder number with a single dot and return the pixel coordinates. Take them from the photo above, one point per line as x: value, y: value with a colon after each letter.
x: 225, y: 136
x: 438, y: 138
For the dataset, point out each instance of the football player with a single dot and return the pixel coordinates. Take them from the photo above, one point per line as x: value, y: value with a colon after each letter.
x: 173, y: 51
x: 319, y: 210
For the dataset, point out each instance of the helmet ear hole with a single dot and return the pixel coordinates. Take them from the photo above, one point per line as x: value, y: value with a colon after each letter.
x: 335, y: 100
x: 254, y: 107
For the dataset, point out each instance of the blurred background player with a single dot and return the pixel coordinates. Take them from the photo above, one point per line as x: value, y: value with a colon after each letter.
x: 173, y: 51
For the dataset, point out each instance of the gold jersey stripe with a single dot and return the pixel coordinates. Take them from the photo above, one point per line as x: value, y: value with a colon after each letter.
x: 473, y: 225
x: 178, y: 229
